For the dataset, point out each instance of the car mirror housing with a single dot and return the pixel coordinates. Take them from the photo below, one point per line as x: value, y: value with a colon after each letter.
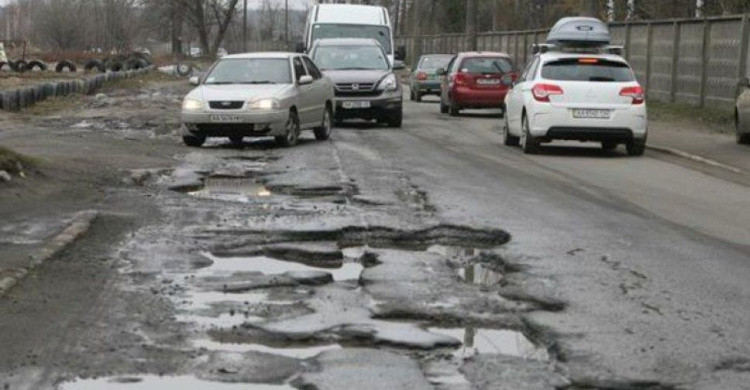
x: 195, y: 80
x: 305, y: 80
x: 398, y: 65
x: 508, y: 80
x: 440, y: 72
x: 400, y: 53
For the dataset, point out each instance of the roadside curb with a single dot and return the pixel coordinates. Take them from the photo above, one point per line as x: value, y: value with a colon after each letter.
x: 75, y: 230
x: 693, y: 157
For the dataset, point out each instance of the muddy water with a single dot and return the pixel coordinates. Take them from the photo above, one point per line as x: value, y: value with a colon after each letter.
x: 152, y: 382
x: 492, y: 341
x: 231, y: 189
x: 227, y: 265
x: 480, y: 275
x: 299, y: 352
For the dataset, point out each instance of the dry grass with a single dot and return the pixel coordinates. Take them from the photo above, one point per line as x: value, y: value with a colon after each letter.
x: 54, y: 105
x: 10, y: 160
x: 140, y: 81
x: 715, y: 119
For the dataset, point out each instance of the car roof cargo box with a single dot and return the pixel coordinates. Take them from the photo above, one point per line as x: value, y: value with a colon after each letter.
x: 579, y: 31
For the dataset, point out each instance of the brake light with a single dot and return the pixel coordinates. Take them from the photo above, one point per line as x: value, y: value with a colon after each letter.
x: 636, y: 93
x: 542, y: 92
x: 421, y: 76
x: 460, y: 79
x: 588, y: 61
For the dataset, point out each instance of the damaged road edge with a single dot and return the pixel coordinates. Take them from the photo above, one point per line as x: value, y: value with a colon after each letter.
x: 75, y: 230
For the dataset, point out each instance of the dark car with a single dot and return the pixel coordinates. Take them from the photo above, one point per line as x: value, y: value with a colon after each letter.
x: 474, y: 80
x: 424, y: 79
x: 365, y: 85
x: 742, y: 113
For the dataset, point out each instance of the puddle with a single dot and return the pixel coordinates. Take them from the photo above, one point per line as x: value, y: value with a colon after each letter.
x: 267, y: 266
x: 222, y: 321
x: 480, y: 275
x: 230, y: 189
x: 153, y: 382
x: 454, y: 252
x: 205, y: 299
x: 492, y: 341
x: 297, y: 353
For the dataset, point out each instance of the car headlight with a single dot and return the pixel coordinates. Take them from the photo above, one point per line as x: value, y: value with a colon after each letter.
x: 264, y: 104
x: 192, y: 105
x: 389, y: 83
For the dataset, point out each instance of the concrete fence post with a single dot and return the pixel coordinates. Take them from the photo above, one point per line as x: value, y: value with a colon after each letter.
x: 627, y: 41
x: 704, y: 61
x: 744, y: 42
x: 677, y: 31
x: 649, y: 55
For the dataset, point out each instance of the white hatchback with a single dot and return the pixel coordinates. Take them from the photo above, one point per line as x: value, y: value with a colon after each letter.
x: 576, y: 96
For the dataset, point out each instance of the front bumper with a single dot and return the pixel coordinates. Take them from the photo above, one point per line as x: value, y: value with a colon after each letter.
x: 381, y: 106
x: 625, y: 124
x: 246, y: 124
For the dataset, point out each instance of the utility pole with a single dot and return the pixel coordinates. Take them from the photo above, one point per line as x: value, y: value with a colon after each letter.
x: 471, y: 23
x: 417, y: 14
x: 244, y: 26
x: 286, y: 22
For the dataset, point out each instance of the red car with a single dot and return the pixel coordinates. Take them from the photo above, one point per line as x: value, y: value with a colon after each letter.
x: 474, y: 80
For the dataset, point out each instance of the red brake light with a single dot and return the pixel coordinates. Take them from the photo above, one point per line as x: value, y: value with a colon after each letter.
x: 460, y: 79
x: 421, y: 76
x: 588, y: 61
x: 542, y: 92
x: 636, y: 93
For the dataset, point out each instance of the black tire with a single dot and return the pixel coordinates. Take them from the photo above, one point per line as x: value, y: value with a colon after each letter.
x: 323, y: 132
x: 193, y: 141
x: 236, y: 139
x: 137, y: 63
x: 116, y: 66
x: 443, y: 107
x: 529, y: 143
x: 396, y: 119
x: 292, y: 131
x: 64, y: 64
x: 94, y: 64
x: 36, y: 64
x: 411, y: 95
x: 19, y: 66
x: 184, y: 70
x: 609, y: 146
x: 742, y: 138
x: 453, y: 109
x: 636, y: 147
x: 508, y: 138
x: 418, y: 96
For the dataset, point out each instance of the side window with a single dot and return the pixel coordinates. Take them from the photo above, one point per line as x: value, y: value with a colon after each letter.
x: 451, y: 64
x: 527, y: 70
x: 312, y: 69
x: 299, y: 69
x: 534, y: 69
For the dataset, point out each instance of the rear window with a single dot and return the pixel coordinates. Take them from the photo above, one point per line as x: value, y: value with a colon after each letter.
x: 434, y: 62
x: 587, y: 69
x: 486, y: 65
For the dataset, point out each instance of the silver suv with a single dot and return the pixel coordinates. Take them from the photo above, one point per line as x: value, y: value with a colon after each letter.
x: 259, y: 95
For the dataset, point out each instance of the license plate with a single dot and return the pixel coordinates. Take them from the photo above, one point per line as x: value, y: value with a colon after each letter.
x: 355, y: 104
x: 591, y: 114
x: 488, y: 81
x: 225, y: 118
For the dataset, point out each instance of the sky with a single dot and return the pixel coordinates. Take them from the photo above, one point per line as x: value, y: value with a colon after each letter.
x: 250, y: 3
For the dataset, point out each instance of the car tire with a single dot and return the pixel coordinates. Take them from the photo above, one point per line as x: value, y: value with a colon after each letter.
x: 193, y: 141
x: 36, y: 64
x: 94, y: 64
x: 323, y: 132
x: 609, y: 146
x: 529, y: 143
x: 418, y: 96
x: 18, y: 66
x: 443, y: 107
x: 508, y: 138
x: 396, y: 120
x: 64, y: 64
x: 453, y: 109
x: 291, y: 137
x: 411, y: 95
x: 742, y: 138
x: 636, y: 147
x: 236, y: 139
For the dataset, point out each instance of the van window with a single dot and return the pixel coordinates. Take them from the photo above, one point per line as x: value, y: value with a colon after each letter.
x: 379, y: 33
x: 486, y: 65
x: 587, y: 69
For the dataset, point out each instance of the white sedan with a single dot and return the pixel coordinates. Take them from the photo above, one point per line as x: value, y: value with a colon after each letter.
x: 576, y: 96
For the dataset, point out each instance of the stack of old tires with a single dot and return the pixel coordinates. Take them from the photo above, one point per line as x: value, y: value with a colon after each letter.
x: 119, y: 63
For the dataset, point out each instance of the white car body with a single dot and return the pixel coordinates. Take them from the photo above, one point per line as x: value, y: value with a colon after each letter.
x: 559, y: 117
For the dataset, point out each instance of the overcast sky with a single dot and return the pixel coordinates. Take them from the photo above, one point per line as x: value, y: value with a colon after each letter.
x: 250, y: 3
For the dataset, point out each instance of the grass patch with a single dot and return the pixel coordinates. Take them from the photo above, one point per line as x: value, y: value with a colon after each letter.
x: 719, y: 120
x: 140, y: 81
x: 54, y: 105
x: 10, y: 160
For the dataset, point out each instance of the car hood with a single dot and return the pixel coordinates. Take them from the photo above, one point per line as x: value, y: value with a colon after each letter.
x: 356, y: 76
x: 237, y: 92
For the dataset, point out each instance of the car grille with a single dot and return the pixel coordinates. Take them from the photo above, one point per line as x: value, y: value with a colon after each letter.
x: 226, y: 105
x: 355, y: 87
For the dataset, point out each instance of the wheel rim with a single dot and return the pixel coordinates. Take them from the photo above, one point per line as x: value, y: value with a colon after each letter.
x: 327, y: 122
x: 523, y: 133
x: 291, y: 131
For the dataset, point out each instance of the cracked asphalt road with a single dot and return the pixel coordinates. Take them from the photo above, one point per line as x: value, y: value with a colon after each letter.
x: 428, y: 257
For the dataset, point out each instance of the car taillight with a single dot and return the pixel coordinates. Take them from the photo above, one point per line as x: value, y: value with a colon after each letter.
x: 421, y: 76
x: 460, y: 79
x: 636, y: 93
x: 542, y: 92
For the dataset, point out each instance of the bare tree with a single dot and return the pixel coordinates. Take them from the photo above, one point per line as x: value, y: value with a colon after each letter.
x: 209, y: 18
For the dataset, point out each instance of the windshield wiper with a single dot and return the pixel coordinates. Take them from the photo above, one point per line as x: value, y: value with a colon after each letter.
x: 355, y: 68
x: 241, y: 82
x: 260, y: 82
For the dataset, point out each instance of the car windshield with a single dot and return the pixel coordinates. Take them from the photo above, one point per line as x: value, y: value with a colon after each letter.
x: 587, y: 69
x: 379, y: 33
x: 486, y: 65
x: 349, y: 57
x: 251, y: 71
x: 436, y: 62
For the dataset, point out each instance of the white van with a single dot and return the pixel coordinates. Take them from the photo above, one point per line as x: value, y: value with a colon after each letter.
x: 350, y: 21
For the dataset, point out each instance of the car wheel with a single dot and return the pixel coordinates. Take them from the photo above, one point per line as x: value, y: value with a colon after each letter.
x: 418, y: 96
x: 742, y: 138
x: 508, y: 138
x: 236, y: 139
x: 396, y: 119
x: 636, y: 147
x: 411, y: 95
x: 193, y: 141
x: 453, y: 109
x: 443, y: 107
x: 323, y: 132
x: 529, y: 143
x: 292, y: 131
x: 609, y: 146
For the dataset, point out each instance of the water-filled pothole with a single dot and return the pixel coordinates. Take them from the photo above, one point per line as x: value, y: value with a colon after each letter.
x: 348, y: 270
x: 480, y: 275
x: 493, y: 341
x: 153, y: 382
x: 298, y: 352
x: 230, y: 189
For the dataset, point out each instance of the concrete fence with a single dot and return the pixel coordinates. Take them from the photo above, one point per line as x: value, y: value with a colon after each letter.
x: 693, y: 61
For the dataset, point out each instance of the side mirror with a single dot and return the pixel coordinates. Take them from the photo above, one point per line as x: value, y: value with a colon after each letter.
x: 441, y: 72
x: 299, y: 47
x: 400, y: 53
x: 507, y: 80
x: 744, y: 82
x: 195, y: 80
x: 398, y: 65
x: 305, y: 80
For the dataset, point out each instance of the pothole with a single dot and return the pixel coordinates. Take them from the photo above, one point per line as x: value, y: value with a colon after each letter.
x: 153, y: 382
x: 228, y: 189
x: 493, y: 341
x: 292, y: 351
x: 479, y: 274
x: 345, y: 270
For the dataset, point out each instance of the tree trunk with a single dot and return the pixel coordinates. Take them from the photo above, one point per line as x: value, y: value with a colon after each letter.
x: 590, y: 8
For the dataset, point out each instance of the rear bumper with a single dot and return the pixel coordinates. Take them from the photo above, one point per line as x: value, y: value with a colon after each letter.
x: 625, y: 124
x: 478, y: 98
x: 270, y: 123
x: 427, y: 87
